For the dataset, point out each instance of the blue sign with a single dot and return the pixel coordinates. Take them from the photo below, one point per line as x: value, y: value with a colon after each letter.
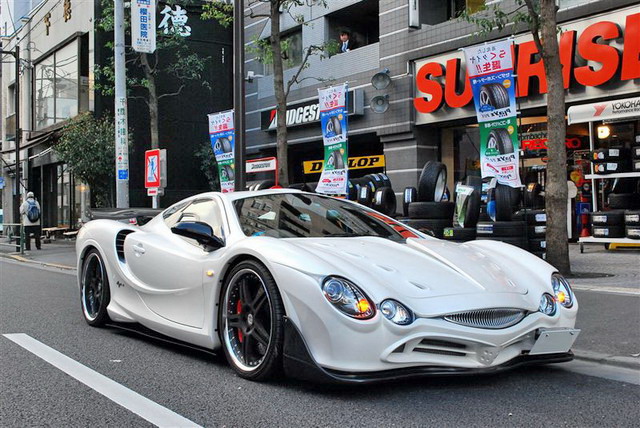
x: 1, y: 182
x: 123, y: 174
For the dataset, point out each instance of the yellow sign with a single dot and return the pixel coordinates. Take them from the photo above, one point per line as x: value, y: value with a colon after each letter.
x: 376, y: 161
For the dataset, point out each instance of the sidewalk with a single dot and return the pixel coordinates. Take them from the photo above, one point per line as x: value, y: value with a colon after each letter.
x: 609, y: 319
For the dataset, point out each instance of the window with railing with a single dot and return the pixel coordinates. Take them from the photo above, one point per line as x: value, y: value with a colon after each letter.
x: 432, y: 12
x: 291, y: 43
x: 354, y: 26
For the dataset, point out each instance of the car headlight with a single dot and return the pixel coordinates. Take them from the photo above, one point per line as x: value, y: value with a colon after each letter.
x: 562, y: 290
x: 396, y: 312
x: 347, y: 298
x: 547, y: 304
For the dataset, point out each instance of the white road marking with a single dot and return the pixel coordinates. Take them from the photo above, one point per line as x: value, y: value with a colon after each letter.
x: 605, y: 371
x: 627, y: 291
x: 130, y: 400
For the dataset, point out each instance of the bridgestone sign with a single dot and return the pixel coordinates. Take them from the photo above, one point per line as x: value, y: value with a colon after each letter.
x: 308, y: 112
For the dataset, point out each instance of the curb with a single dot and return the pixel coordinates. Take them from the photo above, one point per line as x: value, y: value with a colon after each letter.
x: 605, y: 359
x: 35, y: 262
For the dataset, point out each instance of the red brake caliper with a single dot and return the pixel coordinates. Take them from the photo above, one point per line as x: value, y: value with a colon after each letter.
x: 239, y: 311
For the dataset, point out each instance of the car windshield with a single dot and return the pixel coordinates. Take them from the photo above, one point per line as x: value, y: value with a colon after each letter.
x: 303, y: 215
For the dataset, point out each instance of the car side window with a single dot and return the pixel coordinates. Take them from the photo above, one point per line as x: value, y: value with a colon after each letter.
x: 205, y: 210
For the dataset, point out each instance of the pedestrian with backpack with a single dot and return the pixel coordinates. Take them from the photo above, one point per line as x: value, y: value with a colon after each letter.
x: 30, y: 211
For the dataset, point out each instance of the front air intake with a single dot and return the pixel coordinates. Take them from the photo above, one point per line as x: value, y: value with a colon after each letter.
x: 120, y: 238
x: 488, y: 318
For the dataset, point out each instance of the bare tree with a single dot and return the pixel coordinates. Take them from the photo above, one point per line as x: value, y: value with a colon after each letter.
x: 273, y: 50
x: 541, y: 17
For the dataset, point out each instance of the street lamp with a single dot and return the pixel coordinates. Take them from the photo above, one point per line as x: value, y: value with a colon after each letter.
x: 238, y: 92
x: 16, y: 197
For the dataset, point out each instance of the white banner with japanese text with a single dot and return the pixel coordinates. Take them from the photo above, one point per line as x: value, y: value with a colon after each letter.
x: 143, y: 25
x: 222, y: 135
x: 333, y: 117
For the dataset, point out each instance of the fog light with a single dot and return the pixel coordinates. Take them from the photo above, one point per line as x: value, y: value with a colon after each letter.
x: 547, y: 304
x: 396, y: 312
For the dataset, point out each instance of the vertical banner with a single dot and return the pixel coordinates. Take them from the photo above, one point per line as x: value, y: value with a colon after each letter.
x: 122, y: 151
x: 143, y: 25
x: 490, y: 71
x: 333, y: 119
x: 222, y: 134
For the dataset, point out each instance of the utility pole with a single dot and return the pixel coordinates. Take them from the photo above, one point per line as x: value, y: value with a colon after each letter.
x: 16, y: 198
x: 122, y: 134
x: 238, y: 92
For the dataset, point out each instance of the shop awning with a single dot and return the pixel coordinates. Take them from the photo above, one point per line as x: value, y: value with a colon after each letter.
x: 615, y: 110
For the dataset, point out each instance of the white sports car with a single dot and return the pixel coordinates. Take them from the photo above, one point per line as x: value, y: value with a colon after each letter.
x: 325, y: 288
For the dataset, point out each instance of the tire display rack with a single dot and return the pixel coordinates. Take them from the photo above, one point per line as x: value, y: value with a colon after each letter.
x: 576, y: 114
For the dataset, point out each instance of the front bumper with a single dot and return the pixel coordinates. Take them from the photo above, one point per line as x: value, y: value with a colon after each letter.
x: 299, y: 363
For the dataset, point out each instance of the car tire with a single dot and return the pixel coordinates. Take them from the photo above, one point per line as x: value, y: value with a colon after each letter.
x: 632, y: 232
x: 502, y: 229
x: 632, y: 218
x: 434, y: 227
x: 333, y: 125
x: 432, y: 182
x: 384, y: 201
x: 459, y: 234
x: 364, y: 195
x: 431, y: 210
x: 537, y: 231
x: 620, y: 200
x: 409, y: 196
x: 504, y: 202
x: 336, y: 160
x: 472, y: 211
x: 531, y: 217
x: 500, y: 139
x: 494, y: 95
x: 608, y: 231
x: 538, y: 245
x: 243, y: 326
x: 95, y: 294
x: 607, y: 218
x: 474, y: 181
x: 264, y: 184
x: 532, y: 195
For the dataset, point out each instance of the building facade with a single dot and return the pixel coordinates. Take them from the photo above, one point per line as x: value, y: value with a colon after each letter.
x: 61, y: 47
x: 404, y: 36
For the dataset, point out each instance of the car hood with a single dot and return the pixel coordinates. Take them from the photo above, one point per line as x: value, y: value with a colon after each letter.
x: 419, y: 268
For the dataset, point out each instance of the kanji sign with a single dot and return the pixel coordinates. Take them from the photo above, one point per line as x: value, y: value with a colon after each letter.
x: 175, y: 21
x: 222, y: 135
x: 152, y: 168
x: 122, y: 150
x: 333, y: 117
x: 143, y: 25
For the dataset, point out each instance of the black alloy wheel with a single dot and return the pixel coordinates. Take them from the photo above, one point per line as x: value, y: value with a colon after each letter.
x: 94, y: 289
x: 251, y: 322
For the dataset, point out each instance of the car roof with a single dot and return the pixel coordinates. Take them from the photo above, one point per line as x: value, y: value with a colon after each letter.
x: 233, y: 196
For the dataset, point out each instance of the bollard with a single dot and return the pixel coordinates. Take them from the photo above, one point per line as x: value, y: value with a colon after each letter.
x: 22, y: 237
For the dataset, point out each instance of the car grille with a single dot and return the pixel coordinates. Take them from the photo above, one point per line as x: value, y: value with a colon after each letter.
x: 488, y: 318
x: 120, y: 237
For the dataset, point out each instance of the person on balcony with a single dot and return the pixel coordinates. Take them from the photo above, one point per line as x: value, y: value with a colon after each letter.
x: 346, y: 42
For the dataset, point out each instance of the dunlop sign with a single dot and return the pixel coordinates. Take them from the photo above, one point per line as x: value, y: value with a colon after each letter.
x: 376, y: 161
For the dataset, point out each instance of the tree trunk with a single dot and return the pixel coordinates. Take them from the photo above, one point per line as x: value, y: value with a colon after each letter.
x: 556, y: 185
x: 152, y: 102
x: 281, y: 99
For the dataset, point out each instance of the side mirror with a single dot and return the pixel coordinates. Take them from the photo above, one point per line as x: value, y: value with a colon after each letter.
x: 200, y: 231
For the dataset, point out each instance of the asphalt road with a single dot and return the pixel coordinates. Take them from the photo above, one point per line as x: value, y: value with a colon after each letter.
x: 45, y: 305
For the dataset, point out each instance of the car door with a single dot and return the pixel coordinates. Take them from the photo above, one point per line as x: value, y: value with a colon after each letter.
x: 170, y: 270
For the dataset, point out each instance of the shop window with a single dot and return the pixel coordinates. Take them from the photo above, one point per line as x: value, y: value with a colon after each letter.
x: 292, y: 50
x: 360, y: 21
x: 61, y: 84
x: 432, y: 12
x: 10, y: 119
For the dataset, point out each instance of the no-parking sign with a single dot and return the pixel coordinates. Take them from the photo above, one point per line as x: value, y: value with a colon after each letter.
x: 153, y: 168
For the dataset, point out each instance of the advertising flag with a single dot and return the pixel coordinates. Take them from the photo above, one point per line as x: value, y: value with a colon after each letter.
x: 143, y: 25
x: 222, y: 134
x: 490, y: 71
x: 333, y: 119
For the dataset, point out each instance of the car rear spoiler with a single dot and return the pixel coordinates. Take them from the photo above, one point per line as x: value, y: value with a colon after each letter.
x: 137, y: 216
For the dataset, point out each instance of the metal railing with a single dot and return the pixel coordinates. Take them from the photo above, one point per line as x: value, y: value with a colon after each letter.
x: 10, y: 234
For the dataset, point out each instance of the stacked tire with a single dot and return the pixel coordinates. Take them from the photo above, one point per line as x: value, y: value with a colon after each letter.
x: 635, y: 155
x: 423, y: 207
x: 608, y: 224
x: 375, y: 191
x: 536, y: 221
x: 612, y: 160
x: 632, y: 224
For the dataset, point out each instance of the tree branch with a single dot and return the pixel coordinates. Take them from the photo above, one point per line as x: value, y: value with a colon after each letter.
x: 310, y: 50
x: 137, y: 97
x: 172, y: 94
x: 535, y: 26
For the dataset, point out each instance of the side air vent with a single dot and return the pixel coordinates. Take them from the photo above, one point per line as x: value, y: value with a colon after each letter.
x: 120, y: 237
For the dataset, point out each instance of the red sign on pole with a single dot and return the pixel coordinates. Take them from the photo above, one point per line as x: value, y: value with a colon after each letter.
x: 152, y: 168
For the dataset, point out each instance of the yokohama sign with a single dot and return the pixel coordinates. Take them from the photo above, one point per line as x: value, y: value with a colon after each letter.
x: 599, y: 51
